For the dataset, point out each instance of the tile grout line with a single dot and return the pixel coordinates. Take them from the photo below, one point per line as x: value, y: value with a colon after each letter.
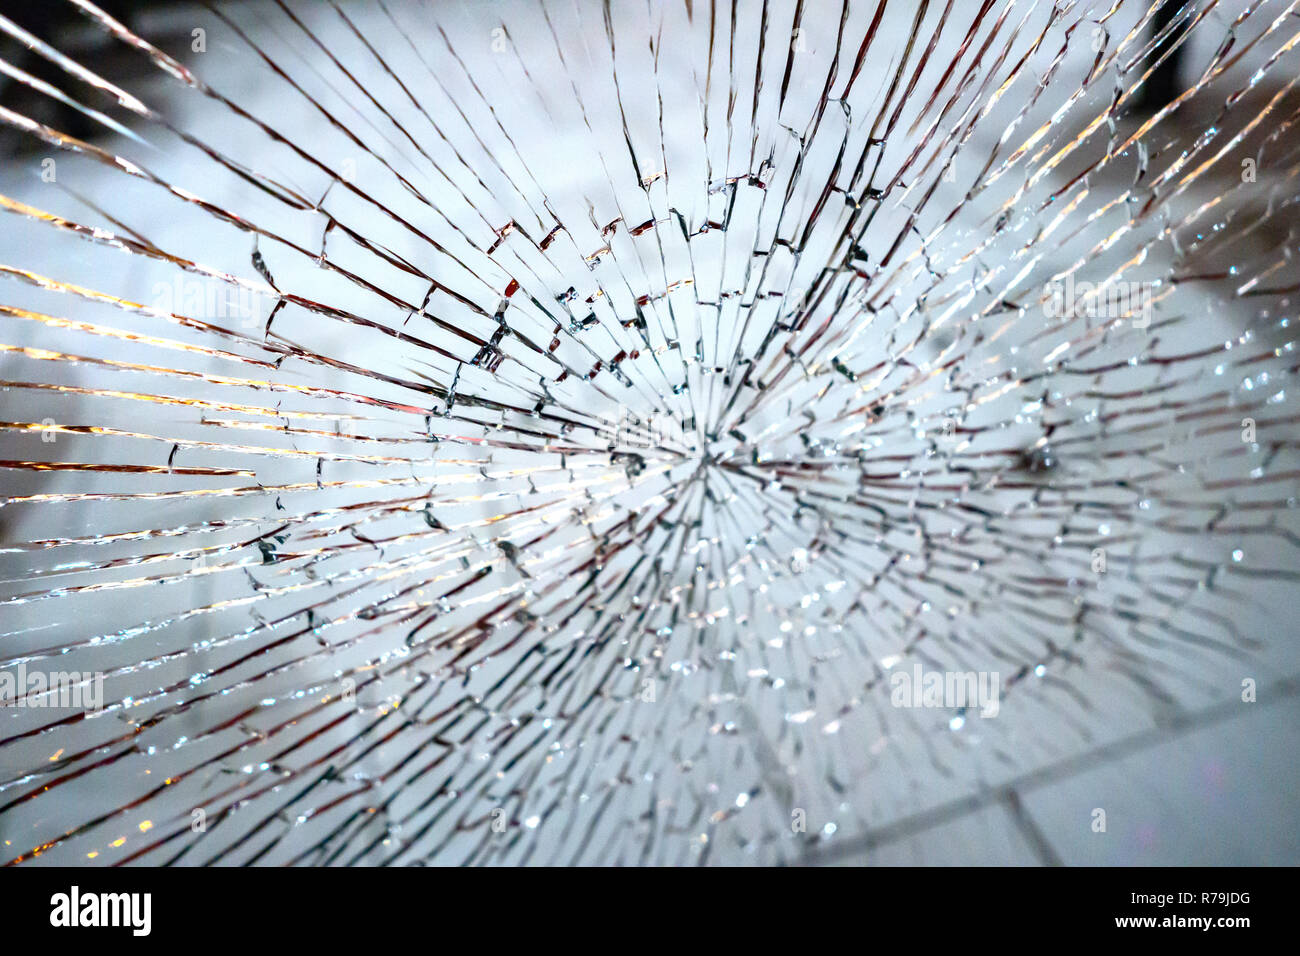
x: 1030, y: 830
x: 1274, y: 693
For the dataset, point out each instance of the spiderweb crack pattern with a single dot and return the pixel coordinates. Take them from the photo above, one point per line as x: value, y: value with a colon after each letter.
x: 535, y: 433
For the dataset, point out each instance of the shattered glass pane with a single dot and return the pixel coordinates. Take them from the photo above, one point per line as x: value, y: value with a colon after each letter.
x: 551, y: 432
